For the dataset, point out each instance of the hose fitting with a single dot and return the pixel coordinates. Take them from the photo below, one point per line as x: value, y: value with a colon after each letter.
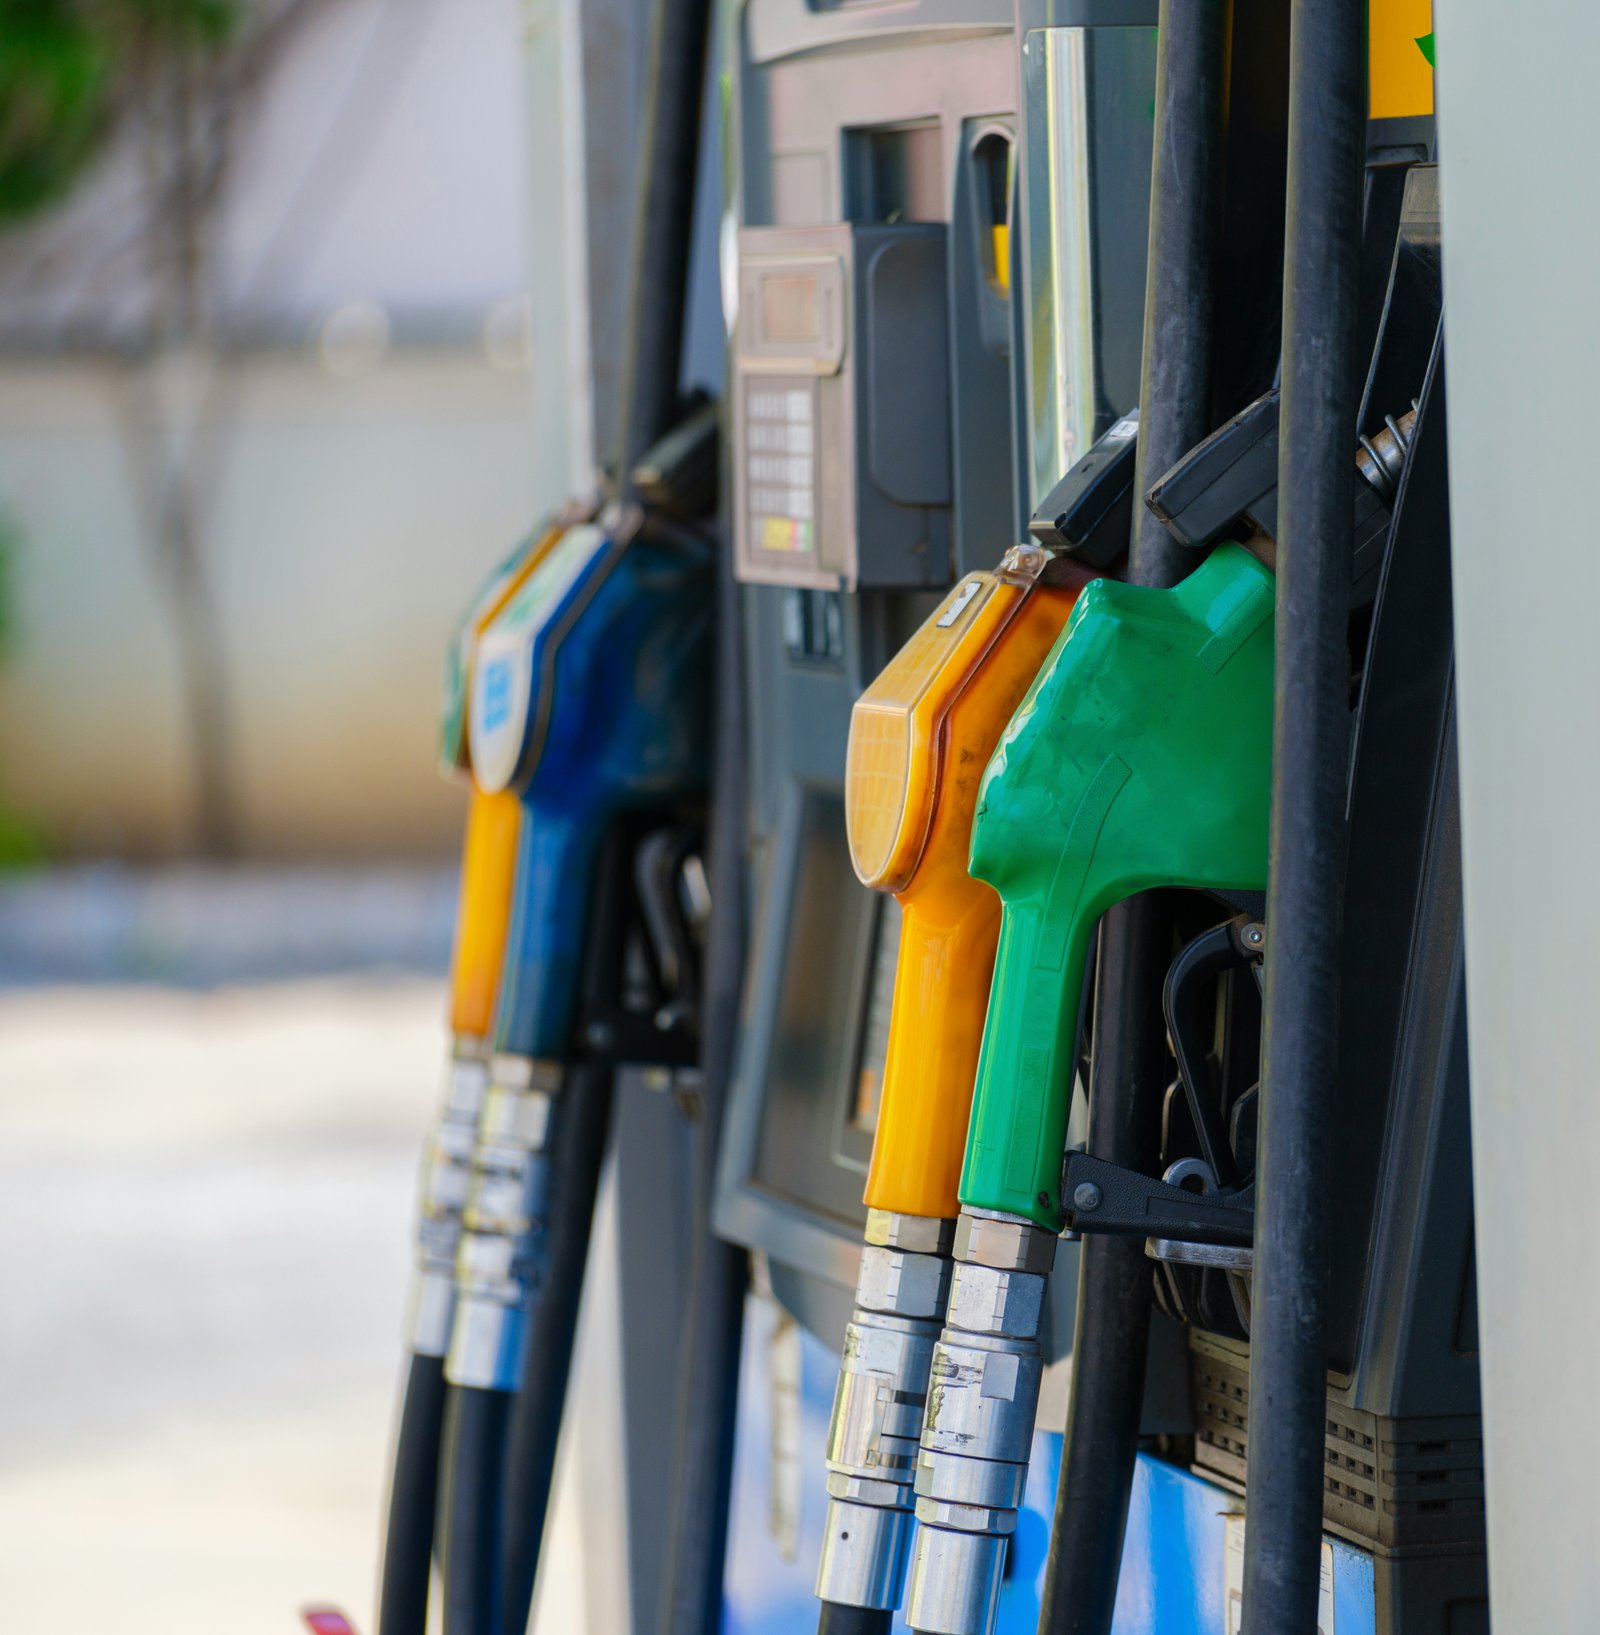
x: 901, y: 1293
x: 446, y: 1173
x: 983, y: 1394
x: 499, y: 1263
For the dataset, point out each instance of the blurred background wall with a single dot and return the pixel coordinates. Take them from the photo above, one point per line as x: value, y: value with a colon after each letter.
x: 265, y: 418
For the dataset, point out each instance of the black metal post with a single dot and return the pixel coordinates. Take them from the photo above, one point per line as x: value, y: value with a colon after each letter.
x: 1129, y: 1065
x: 1310, y: 749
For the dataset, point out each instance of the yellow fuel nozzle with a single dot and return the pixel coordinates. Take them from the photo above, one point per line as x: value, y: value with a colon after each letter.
x: 483, y: 914
x: 920, y: 737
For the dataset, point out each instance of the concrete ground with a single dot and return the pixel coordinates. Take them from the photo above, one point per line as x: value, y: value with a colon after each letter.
x: 206, y: 1195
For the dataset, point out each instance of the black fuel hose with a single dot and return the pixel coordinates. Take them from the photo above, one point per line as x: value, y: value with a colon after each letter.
x: 1129, y: 1065
x: 663, y: 225
x: 1310, y: 750
x: 835, y: 1618
x: 713, y: 1318
x: 1180, y: 304
x: 1112, y: 1328
x: 474, y: 1472
x: 581, y: 1127
x: 413, y: 1494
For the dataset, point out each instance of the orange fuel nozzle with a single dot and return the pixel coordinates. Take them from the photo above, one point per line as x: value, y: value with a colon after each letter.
x: 920, y: 737
x: 483, y: 915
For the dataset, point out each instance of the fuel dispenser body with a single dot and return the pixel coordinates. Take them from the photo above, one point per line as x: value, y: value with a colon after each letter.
x: 886, y: 383
x: 873, y: 164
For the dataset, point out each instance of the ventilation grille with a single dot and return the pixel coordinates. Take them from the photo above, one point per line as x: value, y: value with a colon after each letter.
x: 1386, y: 1483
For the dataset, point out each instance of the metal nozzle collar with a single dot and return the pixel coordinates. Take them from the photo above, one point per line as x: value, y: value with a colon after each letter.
x: 955, y: 1581
x: 879, y: 1397
x: 955, y: 1479
x: 985, y: 1300
x: 901, y: 1283
x: 863, y: 1555
x: 983, y: 1396
x: 1006, y: 1242
x: 525, y: 1072
x: 918, y: 1234
x: 445, y: 1184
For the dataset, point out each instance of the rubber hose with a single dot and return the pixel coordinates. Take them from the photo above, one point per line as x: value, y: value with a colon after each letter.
x: 663, y: 226
x: 413, y: 1500
x: 1112, y: 1328
x: 474, y: 1471
x: 713, y: 1326
x: 1310, y: 750
x: 582, y: 1124
x: 1129, y: 1069
x: 1180, y: 302
x: 835, y: 1618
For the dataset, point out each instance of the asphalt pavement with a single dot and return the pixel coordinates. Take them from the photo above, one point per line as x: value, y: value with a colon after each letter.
x: 206, y: 1193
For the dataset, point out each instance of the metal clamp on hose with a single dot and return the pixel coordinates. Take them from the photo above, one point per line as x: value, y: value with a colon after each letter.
x: 499, y: 1262
x: 983, y: 1394
x: 446, y: 1176
x: 877, y: 1408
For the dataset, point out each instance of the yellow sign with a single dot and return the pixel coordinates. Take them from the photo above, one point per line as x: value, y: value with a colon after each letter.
x: 1399, y: 74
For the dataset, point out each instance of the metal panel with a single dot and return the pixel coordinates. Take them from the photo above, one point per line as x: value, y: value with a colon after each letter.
x: 1522, y: 328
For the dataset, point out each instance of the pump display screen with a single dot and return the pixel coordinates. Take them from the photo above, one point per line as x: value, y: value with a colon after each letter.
x: 819, y: 1103
x: 875, y: 1032
x: 789, y: 309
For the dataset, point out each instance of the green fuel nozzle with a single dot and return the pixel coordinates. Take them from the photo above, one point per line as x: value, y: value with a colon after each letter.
x: 1140, y: 757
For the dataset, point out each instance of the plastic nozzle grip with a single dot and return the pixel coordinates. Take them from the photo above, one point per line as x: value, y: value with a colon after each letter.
x: 483, y: 914
x: 948, y: 931
x: 1141, y: 757
x: 950, y: 924
x: 622, y: 669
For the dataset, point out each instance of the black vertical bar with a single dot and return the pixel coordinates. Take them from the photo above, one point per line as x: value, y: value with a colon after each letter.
x: 1181, y: 283
x: 1129, y: 1073
x: 1310, y: 749
x: 663, y: 231
x: 713, y: 1327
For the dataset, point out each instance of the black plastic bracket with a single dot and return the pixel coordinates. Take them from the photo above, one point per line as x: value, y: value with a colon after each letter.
x: 1097, y: 1196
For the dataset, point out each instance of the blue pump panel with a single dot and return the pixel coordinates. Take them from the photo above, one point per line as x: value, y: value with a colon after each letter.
x: 1174, y: 1566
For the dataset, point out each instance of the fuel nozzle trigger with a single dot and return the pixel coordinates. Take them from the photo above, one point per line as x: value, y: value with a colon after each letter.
x: 1089, y: 513
x: 1198, y: 1204
x: 1227, y: 488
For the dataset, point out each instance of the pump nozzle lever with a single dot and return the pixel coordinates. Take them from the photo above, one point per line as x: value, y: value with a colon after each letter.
x: 1097, y: 1196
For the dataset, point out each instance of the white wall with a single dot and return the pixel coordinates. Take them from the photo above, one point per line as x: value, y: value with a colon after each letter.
x: 352, y: 519
x: 1518, y: 126
x: 384, y: 168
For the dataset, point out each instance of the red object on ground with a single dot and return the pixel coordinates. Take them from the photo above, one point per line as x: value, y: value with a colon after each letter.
x: 327, y: 1621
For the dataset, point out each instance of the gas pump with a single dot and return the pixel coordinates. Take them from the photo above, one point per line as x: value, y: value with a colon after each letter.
x: 918, y: 736
x: 892, y: 229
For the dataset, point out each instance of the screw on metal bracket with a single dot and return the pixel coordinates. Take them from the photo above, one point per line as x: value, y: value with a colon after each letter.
x: 1086, y: 1196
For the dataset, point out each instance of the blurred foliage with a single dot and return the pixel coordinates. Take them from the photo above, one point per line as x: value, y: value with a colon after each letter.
x: 65, y: 68
x: 23, y: 845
